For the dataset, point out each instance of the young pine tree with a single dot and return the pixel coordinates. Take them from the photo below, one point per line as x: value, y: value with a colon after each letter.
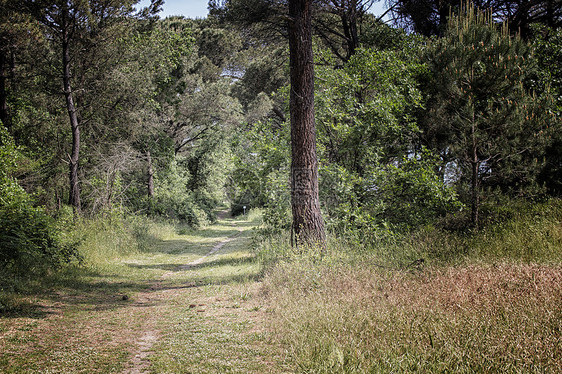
x: 482, y: 117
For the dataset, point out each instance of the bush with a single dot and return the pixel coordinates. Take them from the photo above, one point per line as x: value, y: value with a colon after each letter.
x: 29, y: 238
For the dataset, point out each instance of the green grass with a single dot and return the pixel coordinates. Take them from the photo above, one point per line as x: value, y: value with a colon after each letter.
x: 215, y: 329
x: 486, y: 302
x: 90, y: 319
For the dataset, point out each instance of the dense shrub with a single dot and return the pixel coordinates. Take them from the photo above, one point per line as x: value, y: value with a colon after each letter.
x: 29, y: 238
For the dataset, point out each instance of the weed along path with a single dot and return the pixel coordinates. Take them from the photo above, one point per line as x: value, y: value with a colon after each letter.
x: 188, y: 304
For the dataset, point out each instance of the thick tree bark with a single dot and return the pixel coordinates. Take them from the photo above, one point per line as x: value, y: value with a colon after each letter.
x: 308, y: 225
x: 74, y: 195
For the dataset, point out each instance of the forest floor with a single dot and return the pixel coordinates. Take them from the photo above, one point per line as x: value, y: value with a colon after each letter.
x: 196, y: 302
x: 189, y: 305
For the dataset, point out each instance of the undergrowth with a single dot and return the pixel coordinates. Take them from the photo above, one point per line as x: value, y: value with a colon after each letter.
x: 432, y: 300
x: 520, y: 233
x: 99, y: 243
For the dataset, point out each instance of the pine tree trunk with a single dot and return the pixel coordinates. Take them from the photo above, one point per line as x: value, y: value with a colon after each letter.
x: 74, y: 195
x: 308, y: 225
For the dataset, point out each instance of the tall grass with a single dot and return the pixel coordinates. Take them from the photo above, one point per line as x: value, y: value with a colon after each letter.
x: 350, y: 319
x: 103, y: 240
x: 520, y: 233
x: 107, y: 237
x: 487, y: 301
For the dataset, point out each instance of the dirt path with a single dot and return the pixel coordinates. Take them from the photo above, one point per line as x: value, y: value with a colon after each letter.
x: 189, y: 305
x: 150, y: 331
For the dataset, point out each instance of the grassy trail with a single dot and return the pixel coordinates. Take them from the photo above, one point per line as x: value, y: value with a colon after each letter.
x: 187, y: 306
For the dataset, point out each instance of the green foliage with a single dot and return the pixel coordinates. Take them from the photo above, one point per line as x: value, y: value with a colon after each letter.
x: 264, y: 74
x: 218, y: 45
x: 161, y: 55
x: 380, y: 36
x: 364, y: 109
x: 261, y: 172
x: 548, y: 50
x: 411, y: 193
x: 186, y: 127
x: 371, y: 174
x: 277, y: 209
x: 482, y: 114
x: 513, y: 231
x: 393, y: 198
x: 29, y: 239
x: 172, y: 198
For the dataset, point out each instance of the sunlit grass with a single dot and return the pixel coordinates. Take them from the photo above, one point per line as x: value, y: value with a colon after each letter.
x: 504, y: 318
x: 213, y: 329
x: 85, y: 319
x: 478, y: 302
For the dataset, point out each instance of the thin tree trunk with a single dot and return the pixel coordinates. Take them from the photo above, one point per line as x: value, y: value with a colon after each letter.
x: 550, y: 18
x: 349, y: 25
x: 308, y: 225
x: 475, y: 163
x: 74, y: 195
x: 3, y: 91
x: 58, y: 199
x: 444, y: 10
x: 150, y: 175
x: 109, y: 189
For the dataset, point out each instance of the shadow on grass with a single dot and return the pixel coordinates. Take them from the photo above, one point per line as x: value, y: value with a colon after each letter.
x: 166, y: 267
x: 178, y: 247
x: 25, y: 309
x: 78, y: 287
x: 223, y: 262
x: 198, y: 244
x: 182, y: 268
x: 86, y: 289
x: 211, y: 281
x: 210, y: 232
x: 90, y: 291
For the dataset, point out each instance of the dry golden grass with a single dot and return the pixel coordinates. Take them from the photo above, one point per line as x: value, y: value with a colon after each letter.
x: 473, y: 318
